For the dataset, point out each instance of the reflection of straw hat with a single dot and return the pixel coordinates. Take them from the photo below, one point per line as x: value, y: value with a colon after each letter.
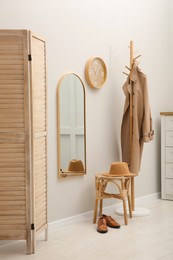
x: 75, y: 166
x: 119, y: 169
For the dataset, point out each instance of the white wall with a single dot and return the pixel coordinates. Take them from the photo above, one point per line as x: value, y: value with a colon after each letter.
x: 76, y: 30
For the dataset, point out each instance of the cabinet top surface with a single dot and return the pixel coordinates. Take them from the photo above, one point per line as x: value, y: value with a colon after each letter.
x: 166, y: 113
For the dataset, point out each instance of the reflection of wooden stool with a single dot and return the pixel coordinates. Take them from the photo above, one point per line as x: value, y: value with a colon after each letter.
x: 123, y: 185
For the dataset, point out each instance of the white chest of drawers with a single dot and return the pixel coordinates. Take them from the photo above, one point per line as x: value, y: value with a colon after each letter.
x: 167, y: 155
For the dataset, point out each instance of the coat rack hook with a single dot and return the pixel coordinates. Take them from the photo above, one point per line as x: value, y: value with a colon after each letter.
x: 128, y: 68
x: 125, y: 73
x: 137, y: 57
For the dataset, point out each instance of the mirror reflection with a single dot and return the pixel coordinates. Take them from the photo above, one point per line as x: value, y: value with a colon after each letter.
x: 71, y: 126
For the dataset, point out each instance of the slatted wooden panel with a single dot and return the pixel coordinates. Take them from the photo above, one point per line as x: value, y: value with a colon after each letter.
x: 13, y: 146
x: 12, y: 189
x: 40, y: 183
x: 23, y: 137
x: 39, y: 129
x: 11, y: 84
x: 39, y: 85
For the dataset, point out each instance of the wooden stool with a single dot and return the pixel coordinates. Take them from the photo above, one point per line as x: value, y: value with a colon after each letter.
x: 123, y: 185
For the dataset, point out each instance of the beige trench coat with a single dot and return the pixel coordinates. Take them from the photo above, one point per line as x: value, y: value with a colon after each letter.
x: 142, y: 120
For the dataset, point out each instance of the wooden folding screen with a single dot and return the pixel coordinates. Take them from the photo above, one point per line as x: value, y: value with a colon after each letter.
x: 23, y: 137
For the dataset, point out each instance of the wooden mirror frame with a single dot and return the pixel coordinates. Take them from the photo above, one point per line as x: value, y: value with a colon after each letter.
x: 64, y: 173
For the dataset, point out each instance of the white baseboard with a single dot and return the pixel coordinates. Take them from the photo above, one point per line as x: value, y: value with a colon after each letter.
x: 148, y: 197
x: 89, y: 215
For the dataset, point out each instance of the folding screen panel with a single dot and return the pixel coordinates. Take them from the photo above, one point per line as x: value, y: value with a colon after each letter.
x: 23, y: 139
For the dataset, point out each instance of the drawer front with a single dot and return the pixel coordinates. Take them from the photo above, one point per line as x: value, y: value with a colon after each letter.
x: 169, y: 138
x: 169, y: 170
x: 169, y: 123
x: 169, y: 187
x: 169, y: 154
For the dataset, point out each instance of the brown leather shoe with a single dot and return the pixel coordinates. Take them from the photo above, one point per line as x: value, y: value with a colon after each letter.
x: 102, y: 226
x: 111, y: 222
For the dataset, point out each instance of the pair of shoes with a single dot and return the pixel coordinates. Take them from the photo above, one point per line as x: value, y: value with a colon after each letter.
x: 106, y: 221
x: 111, y: 222
x: 102, y: 225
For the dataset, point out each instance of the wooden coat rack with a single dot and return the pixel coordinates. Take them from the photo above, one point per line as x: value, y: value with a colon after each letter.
x: 136, y: 211
x: 132, y: 58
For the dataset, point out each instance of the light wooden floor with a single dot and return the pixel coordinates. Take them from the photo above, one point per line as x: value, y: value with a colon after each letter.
x: 145, y: 238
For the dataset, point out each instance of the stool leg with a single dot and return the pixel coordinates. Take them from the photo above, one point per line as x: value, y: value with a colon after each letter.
x: 95, y: 211
x: 101, y: 208
x: 125, y: 212
x: 130, y: 208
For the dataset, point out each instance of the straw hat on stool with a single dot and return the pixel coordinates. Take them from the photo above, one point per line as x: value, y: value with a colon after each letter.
x: 119, y: 169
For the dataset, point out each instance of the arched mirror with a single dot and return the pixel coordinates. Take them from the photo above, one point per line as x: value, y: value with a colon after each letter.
x: 71, y: 126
